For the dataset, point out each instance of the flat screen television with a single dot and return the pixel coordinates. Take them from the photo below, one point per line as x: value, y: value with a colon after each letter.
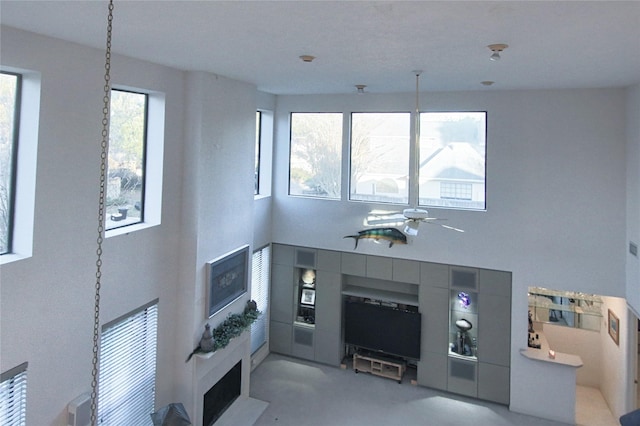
x: 382, y: 329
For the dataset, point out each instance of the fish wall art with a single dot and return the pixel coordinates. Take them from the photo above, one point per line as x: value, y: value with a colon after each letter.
x: 393, y: 235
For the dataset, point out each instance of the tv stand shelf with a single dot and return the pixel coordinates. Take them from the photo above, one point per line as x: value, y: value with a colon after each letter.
x: 379, y: 366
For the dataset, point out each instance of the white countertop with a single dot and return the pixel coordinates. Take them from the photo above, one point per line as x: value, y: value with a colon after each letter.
x: 542, y: 354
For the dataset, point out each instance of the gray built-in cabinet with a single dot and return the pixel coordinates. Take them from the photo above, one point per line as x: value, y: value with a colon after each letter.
x: 484, y: 372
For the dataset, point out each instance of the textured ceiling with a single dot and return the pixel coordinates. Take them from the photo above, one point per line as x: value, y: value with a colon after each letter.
x: 553, y: 44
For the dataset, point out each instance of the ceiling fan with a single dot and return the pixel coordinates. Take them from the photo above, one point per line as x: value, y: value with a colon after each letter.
x: 411, y: 217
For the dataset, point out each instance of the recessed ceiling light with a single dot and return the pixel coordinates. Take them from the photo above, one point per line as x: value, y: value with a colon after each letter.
x: 307, y: 58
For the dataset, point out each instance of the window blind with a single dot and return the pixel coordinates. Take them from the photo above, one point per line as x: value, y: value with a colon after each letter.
x: 260, y: 267
x: 126, y: 380
x: 13, y: 396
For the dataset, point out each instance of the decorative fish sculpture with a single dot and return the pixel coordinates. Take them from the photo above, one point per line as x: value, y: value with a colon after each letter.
x: 393, y: 235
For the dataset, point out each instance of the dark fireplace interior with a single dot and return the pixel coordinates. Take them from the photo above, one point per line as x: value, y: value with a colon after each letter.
x: 221, y: 395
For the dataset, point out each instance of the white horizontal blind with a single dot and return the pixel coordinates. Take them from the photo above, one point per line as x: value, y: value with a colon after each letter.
x: 260, y: 266
x: 13, y: 396
x: 126, y: 381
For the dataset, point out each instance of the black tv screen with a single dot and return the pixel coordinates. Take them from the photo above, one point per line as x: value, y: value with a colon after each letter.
x: 382, y: 329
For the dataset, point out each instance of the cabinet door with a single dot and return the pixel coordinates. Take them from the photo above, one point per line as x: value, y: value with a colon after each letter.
x: 493, y: 383
x: 327, y: 348
x: 432, y: 370
x: 379, y: 267
x: 282, y: 254
x: 280, y: 338
x: 463, y: 377
x: 329, y: 260
x: 328, y: 302
x: 434, y: 308
x: 354, y: 264
x: 282, y: 293
x: 494, y: 329
x: 406, y: 271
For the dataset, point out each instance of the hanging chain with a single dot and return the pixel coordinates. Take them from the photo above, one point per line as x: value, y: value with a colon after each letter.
x: 101, y: 208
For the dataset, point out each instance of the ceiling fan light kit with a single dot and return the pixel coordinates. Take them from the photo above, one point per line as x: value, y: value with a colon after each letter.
x: 496, y: 49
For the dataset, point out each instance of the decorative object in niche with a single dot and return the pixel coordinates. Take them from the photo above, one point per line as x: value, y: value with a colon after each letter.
x: 393, y: 235
x: 464, y: 300
x: 227, y: 279
x: 614, y: 327
x: 233, y: 326
x: 309, y: 277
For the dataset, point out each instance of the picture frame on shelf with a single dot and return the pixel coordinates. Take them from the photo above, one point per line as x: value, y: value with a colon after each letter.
x: 308, y: 297
x: 227, y: 279
x: 614, y: 327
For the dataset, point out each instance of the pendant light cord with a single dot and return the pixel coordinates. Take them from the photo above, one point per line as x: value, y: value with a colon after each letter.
x: 101, y: 214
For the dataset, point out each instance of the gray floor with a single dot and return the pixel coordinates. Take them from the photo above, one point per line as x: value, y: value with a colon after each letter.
x: 310, y: 394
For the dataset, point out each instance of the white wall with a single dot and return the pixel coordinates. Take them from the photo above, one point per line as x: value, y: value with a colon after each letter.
x: 207, y: 211
x: 633, y: 195
x: 46, y: 302
x: 555, y: 191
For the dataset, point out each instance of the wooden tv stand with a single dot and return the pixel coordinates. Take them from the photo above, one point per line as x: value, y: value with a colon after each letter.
x: 379, y: 365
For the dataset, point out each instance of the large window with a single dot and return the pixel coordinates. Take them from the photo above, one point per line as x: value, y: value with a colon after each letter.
x: 452, y: 159
x: 126, y: 170
x: 260, y: 272
x: 380, y: 157
x: 316, y: 154
x: 9, y: 112
x: 128, y: 368
x: 13, y: 396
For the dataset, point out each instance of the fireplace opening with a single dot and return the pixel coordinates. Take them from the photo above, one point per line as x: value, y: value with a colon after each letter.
x: 221, y: 395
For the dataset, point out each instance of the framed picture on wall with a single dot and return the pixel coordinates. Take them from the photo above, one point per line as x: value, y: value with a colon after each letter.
x: 227, y: 279
x: 614, y: 327
x: 308, y: 297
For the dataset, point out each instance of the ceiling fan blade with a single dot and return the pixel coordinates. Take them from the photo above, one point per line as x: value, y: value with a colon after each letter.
x: 451, y: 227
x: 386, y: 219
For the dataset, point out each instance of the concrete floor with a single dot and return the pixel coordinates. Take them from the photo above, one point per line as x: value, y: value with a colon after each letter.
x: 310, y: 394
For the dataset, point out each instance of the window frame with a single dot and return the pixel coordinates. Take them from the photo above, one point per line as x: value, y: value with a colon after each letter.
x: 409, y: 148
x: 153, y: 162
x: 13, y: 160
x: 454, y: 203
x: 340, y: 152
x: 25, y: 166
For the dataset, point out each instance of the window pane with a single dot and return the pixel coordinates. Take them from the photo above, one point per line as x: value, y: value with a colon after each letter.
x: 127, y: 140
x: 9, y: 98
x: 13, y: 396
x: 316, y: 148
x: 452, y: 159
x: 127, y: 372
x: 256, y: 186
x: 260, y: 265
x: 380, y: 157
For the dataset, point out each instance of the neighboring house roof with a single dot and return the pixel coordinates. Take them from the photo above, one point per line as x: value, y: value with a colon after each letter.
x: 456, y: 161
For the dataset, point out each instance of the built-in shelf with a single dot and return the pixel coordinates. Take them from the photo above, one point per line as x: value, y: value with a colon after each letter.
x: 383, y: 295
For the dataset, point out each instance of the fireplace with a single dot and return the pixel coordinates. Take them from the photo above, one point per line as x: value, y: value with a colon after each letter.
x: 221, y: 395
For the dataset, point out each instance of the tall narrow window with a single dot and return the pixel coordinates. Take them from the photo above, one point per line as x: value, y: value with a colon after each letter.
x: 316, y: 154
x: 452, y: 159
x: 9, y: 115
x: 260, y: 272
x: 127, y: 149
x: 256, y: 185
x: 380, y: 157
x: 128, y: 368
x: 13, y: 396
